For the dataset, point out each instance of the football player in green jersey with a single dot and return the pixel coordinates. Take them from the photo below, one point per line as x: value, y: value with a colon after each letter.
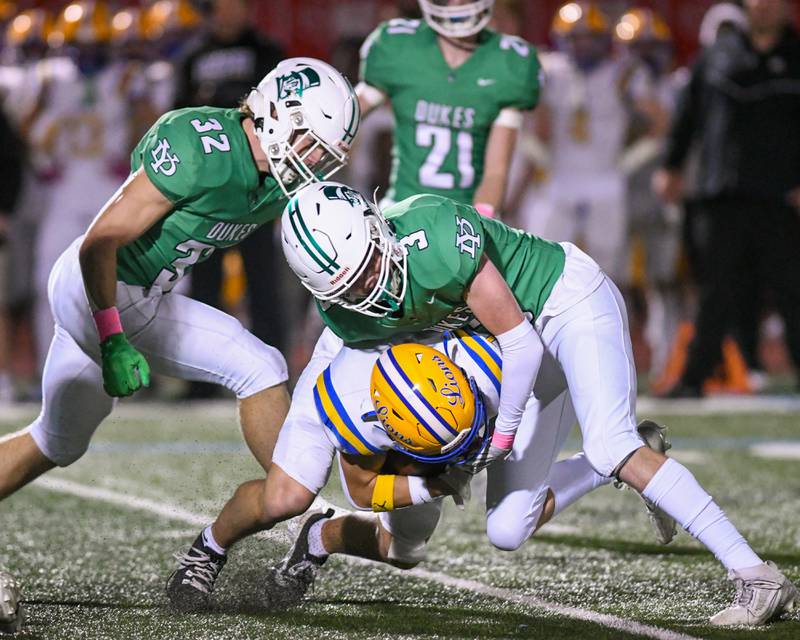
x: 201, y: 179
x: 457, y: 90
x: 430, y: 263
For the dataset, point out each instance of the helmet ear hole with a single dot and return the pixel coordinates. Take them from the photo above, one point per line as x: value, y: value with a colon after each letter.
x: 273, y: 111
x: 433, y: 384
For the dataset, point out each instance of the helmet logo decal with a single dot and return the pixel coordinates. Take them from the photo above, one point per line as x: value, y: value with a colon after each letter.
x: 450, y: 390
x: 336, y: 192
x: 297, y: 82
x: 164, y: 161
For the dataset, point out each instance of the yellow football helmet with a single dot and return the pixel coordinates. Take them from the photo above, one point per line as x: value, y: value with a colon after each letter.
x: 84, y: 22
x: 166, y: 16
x: 33, y: 24
x: 642, y: 24
x: 427, y: 406
x: 579, y: 17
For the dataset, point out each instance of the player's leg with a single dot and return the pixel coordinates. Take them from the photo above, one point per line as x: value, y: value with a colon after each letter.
x: 74, y: 404
x: 302, y: 461
x: 398, y: 538
x: 187, y: 339
x: 528, y: 488
x: 593, y: 346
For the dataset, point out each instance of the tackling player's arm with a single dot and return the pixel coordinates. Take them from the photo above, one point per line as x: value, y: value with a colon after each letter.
x: 494, y: 305
x: 370, y: 489
x: 133, y: 209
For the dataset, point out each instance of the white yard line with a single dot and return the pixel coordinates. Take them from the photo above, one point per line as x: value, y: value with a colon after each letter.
x: 226, y: 409
x: 777, y: 449
x: 172, y: 512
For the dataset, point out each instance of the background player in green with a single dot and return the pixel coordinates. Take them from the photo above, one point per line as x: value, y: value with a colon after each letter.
x: 202, y: 178
x: 457, y: 90
x: 432, y: 263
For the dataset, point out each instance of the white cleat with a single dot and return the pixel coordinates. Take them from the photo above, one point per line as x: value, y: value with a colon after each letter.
x: 11, y: 612
x: 762, y: 593
x: 655, y: 437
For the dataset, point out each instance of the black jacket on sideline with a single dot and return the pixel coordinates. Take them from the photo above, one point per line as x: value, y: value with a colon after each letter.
x: 743, y: 107
x: 220, y: 73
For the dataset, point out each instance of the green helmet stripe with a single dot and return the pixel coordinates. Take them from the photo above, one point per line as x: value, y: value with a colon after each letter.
x: 350, y: 132
x: 329, y: 264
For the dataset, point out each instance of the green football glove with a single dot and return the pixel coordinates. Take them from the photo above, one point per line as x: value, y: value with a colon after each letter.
x: 125, y: 370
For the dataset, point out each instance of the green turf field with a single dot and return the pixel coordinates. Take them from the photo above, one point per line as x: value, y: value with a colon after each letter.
x: 92, y: 545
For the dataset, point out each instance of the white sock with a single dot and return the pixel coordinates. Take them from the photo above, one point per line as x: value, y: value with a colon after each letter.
x: 572, y: 479
x: 208, y: 540
x: 674, y: 489
x: 315, y: 545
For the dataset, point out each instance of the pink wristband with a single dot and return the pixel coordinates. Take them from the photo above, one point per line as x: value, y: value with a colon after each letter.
x: 485, y: 209
x: 107, y: 322
x: 502, y: 440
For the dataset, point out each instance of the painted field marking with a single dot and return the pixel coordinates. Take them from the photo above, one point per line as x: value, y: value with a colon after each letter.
x: 60, y: 485
x: 777, y: 450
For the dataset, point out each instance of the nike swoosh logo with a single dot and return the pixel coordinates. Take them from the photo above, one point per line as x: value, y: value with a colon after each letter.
x: 485, y: 82
x: 433, y: 299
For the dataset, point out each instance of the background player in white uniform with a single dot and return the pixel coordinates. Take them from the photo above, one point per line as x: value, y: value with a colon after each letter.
x: 587, y: 106
x: 81, y: 132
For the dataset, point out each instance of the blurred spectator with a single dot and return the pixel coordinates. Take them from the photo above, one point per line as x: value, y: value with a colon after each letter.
x: 11, y: 155
x: 589, y: 104
x: 226, y: 64
x: 743, y: 108
x: 654, y: 228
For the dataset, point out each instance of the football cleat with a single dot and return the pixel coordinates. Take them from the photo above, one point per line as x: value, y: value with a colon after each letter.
x: 190, y: 586
x: 288, y: 582
x: 762, y: 593
x: 655, y: 437
x: 11, y: 612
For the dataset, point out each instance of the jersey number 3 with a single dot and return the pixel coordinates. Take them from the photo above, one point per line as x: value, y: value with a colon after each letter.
x: 440, y: 139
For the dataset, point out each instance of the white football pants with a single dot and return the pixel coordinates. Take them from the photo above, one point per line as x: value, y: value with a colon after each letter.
x: 178, y: 336
x: 591, y: 343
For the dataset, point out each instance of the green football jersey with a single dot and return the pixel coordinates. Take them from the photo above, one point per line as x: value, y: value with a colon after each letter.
x: 200, y: 159
x: 445, y: 241
x: 443, y: 115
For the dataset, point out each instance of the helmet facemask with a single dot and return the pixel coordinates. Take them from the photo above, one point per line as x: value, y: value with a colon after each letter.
x: 290, y: 160
x: 384, y: 256
x: 459, y: 20
x: 306, y: 116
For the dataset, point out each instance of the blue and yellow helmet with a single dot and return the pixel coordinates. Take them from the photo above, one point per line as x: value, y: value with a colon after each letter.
x: 427, y: 405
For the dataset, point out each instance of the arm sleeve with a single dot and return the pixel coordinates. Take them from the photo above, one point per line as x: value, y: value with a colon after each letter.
x: 684, y: 122
x: 522, y: 351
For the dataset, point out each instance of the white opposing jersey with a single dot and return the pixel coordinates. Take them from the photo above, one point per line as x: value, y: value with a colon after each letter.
x: 342, y: 392
x: 589, y: 112
x: 81, y: 134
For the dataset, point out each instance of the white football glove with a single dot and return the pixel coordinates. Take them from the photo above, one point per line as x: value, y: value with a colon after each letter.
x: 458, y: 480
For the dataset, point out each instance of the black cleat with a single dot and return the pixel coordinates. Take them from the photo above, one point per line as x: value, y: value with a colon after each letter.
x: 190, y: 586
x: 288, y: 582
x: 11, y: 612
